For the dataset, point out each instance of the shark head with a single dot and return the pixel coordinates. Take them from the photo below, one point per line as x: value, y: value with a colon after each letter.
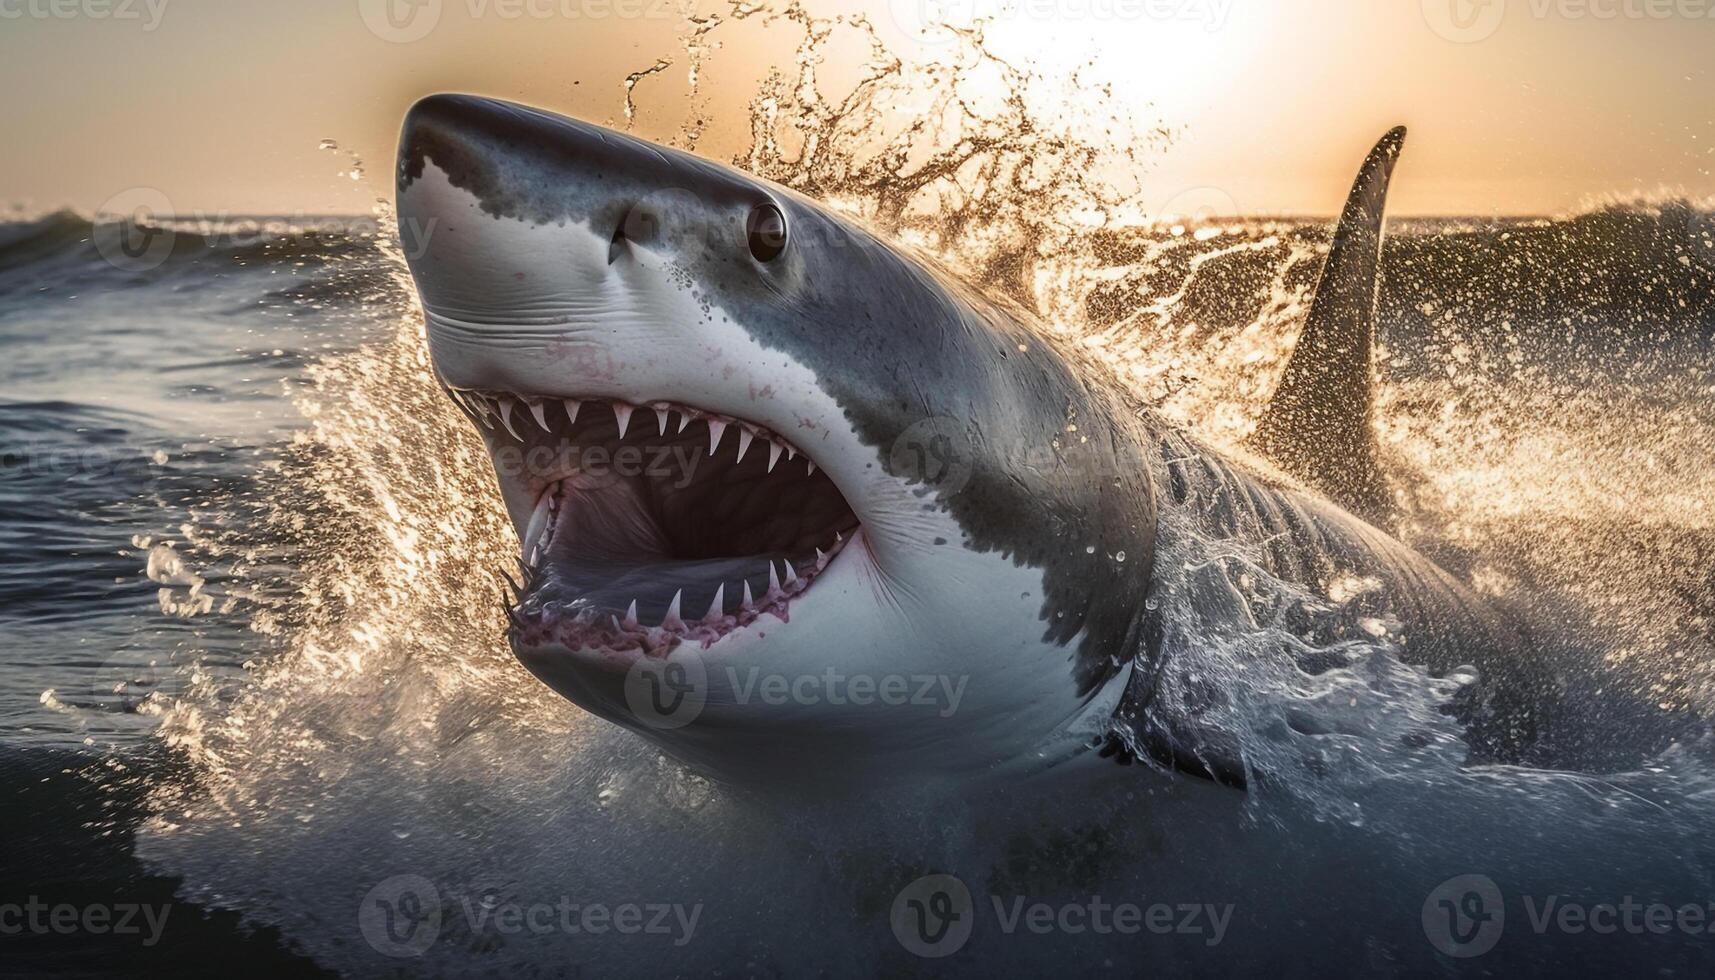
x: 786, y: 495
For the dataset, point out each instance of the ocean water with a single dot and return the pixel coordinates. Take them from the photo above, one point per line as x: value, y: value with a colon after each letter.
x: 252, y: 673
x: 253, y: 667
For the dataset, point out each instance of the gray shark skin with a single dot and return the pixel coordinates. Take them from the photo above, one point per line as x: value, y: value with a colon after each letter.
x: 558, y: 260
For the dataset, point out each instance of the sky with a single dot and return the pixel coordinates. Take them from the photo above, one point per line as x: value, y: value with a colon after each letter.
x: 1515, y: 106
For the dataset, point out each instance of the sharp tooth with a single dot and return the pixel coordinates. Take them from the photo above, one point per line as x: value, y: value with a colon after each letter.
x: 480, y: 406
x: 773, y: 454
x: 541, y: 415
x: 791, y: 574
x: 684, y: 420
x: 839, y: 538
x: 715, y: 610
x: 749, y: 599
x: 812, y: 465
x: 631, y: 614
x: 661, y: 419
x: 506, y: 418
x: 744, y: 438
x: 791, y: 452
x: 716, y: 429
x: 821, y: 559
x: 773, y: 577
x: 572, y: 407
x: 622, y: 412
x: 672, y: 619
x: 517, y: 590
x: 538, y: 522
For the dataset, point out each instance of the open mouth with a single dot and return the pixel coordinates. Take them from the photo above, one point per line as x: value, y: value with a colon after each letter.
x: 654, y: 524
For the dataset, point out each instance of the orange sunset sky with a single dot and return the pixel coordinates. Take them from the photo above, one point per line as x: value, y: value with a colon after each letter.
x: 1516, y: 106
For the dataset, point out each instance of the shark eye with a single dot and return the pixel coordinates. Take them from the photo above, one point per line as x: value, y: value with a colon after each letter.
x: 766, y: 232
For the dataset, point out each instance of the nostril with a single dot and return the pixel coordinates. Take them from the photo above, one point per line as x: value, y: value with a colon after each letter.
x: 638, y: 225
x: 617, y: 242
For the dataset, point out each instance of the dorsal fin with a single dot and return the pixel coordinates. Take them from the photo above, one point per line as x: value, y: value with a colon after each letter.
x: 1318, y: 426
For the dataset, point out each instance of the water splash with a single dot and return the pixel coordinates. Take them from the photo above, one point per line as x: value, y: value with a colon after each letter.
x: 387, y: 730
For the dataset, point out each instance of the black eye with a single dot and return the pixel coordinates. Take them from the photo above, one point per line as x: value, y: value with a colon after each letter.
x: 766, y: 232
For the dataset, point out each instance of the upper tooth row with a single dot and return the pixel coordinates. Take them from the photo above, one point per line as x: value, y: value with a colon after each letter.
x: 503, y: 408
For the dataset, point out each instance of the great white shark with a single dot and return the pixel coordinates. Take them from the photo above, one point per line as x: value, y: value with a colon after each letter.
x: 867, y: 519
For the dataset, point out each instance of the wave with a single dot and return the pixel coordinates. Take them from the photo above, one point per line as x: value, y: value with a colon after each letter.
x: 162, y: 246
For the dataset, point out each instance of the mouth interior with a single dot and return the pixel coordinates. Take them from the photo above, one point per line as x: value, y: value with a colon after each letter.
x: 658, y: 523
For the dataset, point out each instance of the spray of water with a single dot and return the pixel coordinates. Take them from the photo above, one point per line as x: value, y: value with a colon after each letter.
x: 386, y: 727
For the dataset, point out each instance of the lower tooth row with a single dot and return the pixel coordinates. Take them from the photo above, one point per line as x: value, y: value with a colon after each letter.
x: 778, y: 585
